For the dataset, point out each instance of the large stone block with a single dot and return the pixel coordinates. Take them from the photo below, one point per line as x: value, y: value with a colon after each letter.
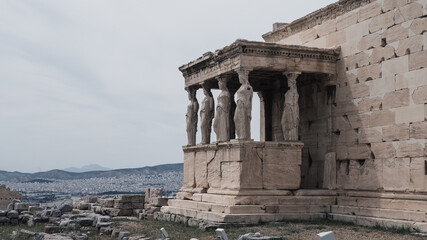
x: 360, y: 174
x: 359, y: 151
x: 394, y: 66
x: 357, y: 31
x: 397, y: 132
x: 382, y: 85
x: 330, y: 171
x: 335, y: 39
x: 395, y: 33
x: 369, y: 104
x: 189, y: 171
x: 418, y: 60
x: 382, y: 21
x: 420, y: 94
x: 369, y: 72
x: 392, y: 4
x: 358, y: 120
x: 408, y: 12
x: 292, y: 40
x: 214, y: 168
x: 348, y: 136
x: 349, y: 47
x: 380, y: 54
x: 327, y: 27
x: 347, y: 19
x: 369, y: 11
x: 231, y: 172
x: 308, y: 35
x: 357, y: 61
x: 410, y: 45
x: 359, y: 90
x: 419, y: 25
x: 412, y: 79
x: 381, y: 118
x: 383, y: 150
x: 396, y: 99
x: 346, y: 107
x: 418, y: 130
x: 201, y: 168
x: 410, y: 149
x: 409, y: 114
x: 369, y: 41
x: 396, y: 174
x: 319, y: 43
x: 418, y: 174
x: 252, y: 176
x: 281, y: 169
x: 369, y: 135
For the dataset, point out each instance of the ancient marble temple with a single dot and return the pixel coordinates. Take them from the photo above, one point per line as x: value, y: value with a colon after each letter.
x: 343, y: 130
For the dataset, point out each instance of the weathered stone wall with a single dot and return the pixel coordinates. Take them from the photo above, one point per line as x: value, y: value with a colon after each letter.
x: 315, y: 129
x: 380, y: 110
x: 7, y: 195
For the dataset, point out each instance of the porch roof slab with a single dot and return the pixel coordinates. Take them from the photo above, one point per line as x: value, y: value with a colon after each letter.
x: 260, y: 56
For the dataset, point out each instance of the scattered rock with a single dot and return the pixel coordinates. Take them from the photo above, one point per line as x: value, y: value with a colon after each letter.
x: 12, y: 214
x: 123, y: 235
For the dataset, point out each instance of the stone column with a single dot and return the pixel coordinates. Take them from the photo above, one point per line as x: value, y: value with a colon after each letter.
x: 261, y: 117
x: 191, y: 117
x: 277, y: 99
x: 232, y: 111
x: 243, y: 113
x: 222, y: 116
x: 206, y: 114
x: 290, y: 117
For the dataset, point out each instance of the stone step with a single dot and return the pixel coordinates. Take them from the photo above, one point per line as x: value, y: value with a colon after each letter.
x: 397, y: 204
x: 374, y: 221
x: 245, y: 209
x: 391, y: 195
x: 267, y: 200
x: 241, y: 218
x: 416, y: 216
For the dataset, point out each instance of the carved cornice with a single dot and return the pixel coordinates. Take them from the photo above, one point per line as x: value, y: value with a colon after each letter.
x: 227, y: 55
x: 315, y: 18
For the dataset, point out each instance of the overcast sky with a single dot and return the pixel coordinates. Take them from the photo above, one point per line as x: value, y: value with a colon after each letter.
x: 97, y: 81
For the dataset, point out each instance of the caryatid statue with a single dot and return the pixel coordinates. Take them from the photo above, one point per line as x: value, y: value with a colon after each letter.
x: 206, y: 115
x: 191, y: 116
x: 222, y: 116
x: 243, y: 114
x: 290, y: 117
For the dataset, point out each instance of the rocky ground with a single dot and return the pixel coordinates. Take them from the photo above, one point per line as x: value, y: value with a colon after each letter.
x: 150, y: 229
x: 133, y: 217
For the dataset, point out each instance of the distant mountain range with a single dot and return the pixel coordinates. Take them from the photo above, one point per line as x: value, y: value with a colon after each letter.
x: 87, y: 168
x: 66, y: 175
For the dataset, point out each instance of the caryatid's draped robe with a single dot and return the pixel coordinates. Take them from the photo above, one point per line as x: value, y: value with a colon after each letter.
x: 207, y: 113
x: 191, y: 118
x: 243, y: 114
x: 290, y: 117
x: 222, y: 116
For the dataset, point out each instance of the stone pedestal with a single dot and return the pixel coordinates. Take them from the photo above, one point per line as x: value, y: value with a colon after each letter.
x: 238, y: 175
x: 242, y: 165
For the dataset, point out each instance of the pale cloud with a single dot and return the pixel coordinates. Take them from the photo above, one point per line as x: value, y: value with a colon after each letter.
x: 97, y: 81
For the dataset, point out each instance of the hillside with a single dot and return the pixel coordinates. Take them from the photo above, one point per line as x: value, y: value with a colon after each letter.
x: 64, y: 175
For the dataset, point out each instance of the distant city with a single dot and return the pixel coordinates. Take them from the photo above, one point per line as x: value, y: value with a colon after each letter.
x: 43, y: 189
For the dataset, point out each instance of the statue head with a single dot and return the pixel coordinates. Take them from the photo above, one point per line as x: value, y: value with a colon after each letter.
x: 191, y: 93
x: 243, y: 76
x: 222, y: 83
x: 292, y: 78
x: 206, y: 90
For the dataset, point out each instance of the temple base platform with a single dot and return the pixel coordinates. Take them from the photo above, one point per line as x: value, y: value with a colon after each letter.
x: 366, y: 208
